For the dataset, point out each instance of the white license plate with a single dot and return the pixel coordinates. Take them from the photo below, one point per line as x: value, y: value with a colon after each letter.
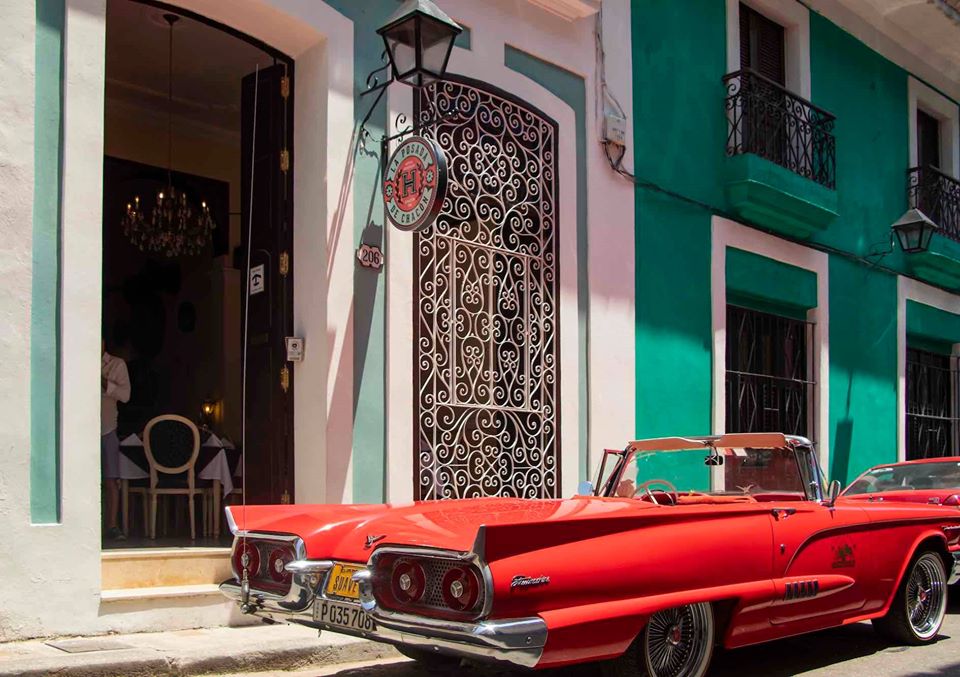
x: 337, y: 615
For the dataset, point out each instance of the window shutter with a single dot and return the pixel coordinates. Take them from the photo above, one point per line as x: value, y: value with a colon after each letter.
x: 745, y: 60
x: 928, y: 140
x: 762, y: 45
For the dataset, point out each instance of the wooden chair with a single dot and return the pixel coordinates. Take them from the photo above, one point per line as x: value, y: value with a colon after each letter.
x: 172, y: 445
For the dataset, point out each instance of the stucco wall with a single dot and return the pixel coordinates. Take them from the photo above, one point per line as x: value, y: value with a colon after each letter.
x: 54, y: 568
x: 680, y: 133
x: 330, y: 178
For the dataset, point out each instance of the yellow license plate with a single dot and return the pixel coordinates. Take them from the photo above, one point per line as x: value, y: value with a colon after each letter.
x: 340, y: 583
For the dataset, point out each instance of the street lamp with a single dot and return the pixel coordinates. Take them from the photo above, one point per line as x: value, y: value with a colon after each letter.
x: 419, y: 38
x: 914, y: 230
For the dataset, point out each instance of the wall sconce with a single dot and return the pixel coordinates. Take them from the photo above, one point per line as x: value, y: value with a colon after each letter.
x: 208, y: 409
x: 914, y: 231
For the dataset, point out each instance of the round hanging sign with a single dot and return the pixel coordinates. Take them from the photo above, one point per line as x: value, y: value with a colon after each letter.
x: 415, y: 183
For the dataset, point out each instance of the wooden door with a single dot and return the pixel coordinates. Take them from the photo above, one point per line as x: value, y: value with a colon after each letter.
x: 266, y: 152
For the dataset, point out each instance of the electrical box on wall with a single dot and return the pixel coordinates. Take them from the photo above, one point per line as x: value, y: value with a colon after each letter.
x: 614, y: 129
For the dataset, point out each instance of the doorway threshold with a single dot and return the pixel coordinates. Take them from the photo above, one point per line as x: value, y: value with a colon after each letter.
x: 167, y: 567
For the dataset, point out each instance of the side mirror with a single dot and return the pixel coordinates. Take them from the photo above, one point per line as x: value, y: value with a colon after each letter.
x: 585, y: 488
x: 833, y: 492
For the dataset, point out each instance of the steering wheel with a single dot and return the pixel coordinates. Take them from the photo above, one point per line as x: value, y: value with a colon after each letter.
x: 672, y: 493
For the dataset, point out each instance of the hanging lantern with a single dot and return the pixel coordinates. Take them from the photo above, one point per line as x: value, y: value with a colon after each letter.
x: 419, y: 38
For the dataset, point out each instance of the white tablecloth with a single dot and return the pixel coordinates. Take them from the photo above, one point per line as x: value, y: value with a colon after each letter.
x: 217, y: 469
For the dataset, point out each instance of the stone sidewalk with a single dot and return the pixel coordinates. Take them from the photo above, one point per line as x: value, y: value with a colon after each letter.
x: 187, y: 652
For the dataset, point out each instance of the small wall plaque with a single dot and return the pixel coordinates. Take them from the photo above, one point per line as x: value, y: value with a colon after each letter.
x: 370, y: 256
x: 257, y: 279
x: 294, y: 348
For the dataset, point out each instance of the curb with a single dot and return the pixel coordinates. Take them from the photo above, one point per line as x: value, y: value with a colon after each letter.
x: 137, y: 662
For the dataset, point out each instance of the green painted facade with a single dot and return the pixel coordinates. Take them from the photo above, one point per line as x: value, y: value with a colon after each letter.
x: 685, y: 178
x: 45, y: 292
x: 754, y: 281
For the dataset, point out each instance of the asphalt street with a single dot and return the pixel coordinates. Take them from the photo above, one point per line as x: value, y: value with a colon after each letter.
x: 849, y: 651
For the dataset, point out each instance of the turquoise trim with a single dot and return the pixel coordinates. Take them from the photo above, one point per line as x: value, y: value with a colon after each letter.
x: 45, y: 292
x: 770, y: 286
x: 773, y: 197
x: 465, y: 39
x: 939, y: 264
x: 933, y: 324
x: 571, y: 89
x: 369, y: 337
x: 930, y: 345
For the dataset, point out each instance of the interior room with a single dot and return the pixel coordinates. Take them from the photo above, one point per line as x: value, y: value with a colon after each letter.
x: 172, y: 293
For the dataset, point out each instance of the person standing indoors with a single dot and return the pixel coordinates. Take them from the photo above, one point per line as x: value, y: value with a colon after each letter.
x: 114, y: 387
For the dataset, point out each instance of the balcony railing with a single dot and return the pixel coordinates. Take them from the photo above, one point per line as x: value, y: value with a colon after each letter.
x: 938, y: 196
x: 767, y: 120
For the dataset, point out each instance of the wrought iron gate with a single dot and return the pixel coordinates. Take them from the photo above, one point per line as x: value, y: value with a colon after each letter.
x: 485, y: 317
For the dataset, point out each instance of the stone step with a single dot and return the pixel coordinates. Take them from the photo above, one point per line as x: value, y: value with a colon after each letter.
x: 163, y: 568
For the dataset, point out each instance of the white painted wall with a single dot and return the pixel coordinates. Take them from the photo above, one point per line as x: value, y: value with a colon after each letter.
x: 321, y: 42
x: 610, y: 226
x: 53, y: 569
x: 56, y: 569
x: 16, y: 194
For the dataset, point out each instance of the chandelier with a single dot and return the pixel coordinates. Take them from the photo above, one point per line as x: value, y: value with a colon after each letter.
x: 173, y: 226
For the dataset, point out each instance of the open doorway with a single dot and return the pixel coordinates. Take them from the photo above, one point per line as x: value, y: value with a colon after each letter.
x: 195, y: 111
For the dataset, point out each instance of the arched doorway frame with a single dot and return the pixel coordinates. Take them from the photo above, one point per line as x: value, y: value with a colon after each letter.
x: 484, y: 67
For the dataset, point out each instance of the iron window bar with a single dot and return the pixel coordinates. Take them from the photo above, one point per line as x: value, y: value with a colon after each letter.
x: 770, y: 121
x: 933, y: 414
x: 938, y: 196
x: 767, y: 377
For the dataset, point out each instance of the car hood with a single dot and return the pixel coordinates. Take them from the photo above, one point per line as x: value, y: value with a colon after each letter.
x: 343, y: 531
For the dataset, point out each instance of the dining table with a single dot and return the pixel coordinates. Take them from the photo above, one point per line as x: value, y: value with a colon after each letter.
x: 218, y: 461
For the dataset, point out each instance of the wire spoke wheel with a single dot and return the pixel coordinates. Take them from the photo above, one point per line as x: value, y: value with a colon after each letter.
x: 678, y: 642
x: 920, y: 603
x: 926, y: 597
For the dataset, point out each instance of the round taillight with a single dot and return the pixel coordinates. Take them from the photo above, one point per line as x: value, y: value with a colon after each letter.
x: 279, y: 558
x: 408, y: 581
x: 953, y: 499
x: 461, y: 589
x: 246, y: 557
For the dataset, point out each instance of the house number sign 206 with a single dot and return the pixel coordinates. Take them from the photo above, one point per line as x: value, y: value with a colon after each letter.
x: 370, y: 256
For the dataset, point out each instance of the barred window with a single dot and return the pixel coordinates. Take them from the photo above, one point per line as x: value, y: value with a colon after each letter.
x: 932, y: 415
x: 768, y: 381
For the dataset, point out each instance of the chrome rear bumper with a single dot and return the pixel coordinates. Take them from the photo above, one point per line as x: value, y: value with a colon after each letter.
x: 517, y: 641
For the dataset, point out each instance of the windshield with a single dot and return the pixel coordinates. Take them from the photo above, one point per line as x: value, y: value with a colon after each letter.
x: 747, y: 472
x: 944, y: 475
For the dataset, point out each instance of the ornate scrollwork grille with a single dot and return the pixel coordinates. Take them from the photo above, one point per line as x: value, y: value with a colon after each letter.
x: 767, y: 120
x: 932, y: 411
x: 938, y: 196
x: 768, y: 384
x: 486, y: 316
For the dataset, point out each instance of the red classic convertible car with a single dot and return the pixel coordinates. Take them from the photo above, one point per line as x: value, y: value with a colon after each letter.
x: 647, y: 573
x: 928, y: 480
